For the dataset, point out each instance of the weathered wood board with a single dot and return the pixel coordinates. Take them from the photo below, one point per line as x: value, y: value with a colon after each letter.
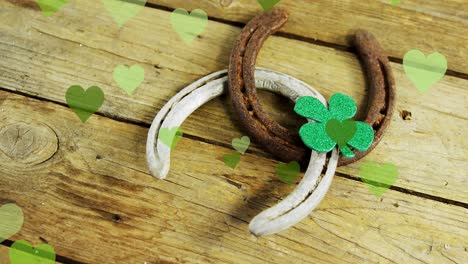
x: 89, y: 195
x: 4, y: 254
x: 85, y: 187
x: 41, y: 57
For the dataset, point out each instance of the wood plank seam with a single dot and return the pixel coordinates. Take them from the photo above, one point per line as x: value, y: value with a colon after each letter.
x: 410, y: 192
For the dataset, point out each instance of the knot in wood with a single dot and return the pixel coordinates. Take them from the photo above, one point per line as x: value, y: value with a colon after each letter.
x: 26, y: 143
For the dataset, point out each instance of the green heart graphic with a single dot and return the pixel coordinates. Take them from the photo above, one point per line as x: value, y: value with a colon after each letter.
x: 422, y: 71
x: 241, y: 144
x: 395, y: 2
x: 231, y: 160
x: 378, y: 178
x: 341, y: 132
x: 11, y: 220
x: 268, y: 4
x: 129, y: 78
x: 49, y: 7
x: 189, y: 26
x: 21, y: 252
x: 122, y: 11
x: 84, y: 104
x: 170, y: 137
x: 288, y: 172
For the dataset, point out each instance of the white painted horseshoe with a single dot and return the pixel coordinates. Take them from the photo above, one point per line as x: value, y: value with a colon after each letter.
x: 309, y: 192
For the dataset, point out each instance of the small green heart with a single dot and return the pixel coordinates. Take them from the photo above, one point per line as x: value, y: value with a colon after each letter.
x: 189, y: 26
x: 288, y: 172
x: 170, y: 137
x: 129, y: 78
x: 268, y: 4
x: 122, y: 11
x: 341, y: 132
x: 49, y: 7
x: 395, y: 2
x: 378, y: 178
x: 21, y: 252
x: 231, y: 160
x: 84, y: 103
x: 11, y: 220
x: 241, y: 144
x: 422, y: 71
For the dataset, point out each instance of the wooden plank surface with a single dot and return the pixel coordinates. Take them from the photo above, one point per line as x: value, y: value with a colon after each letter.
x: 88, y: 193
x: 41, y: 57
x: 85, y: 188
x: 4, y: 258
x: 414, y: 24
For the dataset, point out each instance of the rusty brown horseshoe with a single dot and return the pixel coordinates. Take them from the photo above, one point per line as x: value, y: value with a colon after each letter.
x: 275, y: 138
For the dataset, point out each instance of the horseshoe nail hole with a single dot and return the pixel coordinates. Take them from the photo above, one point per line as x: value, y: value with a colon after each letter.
x: 396, y: 205
x: 405, y: 115
x: 98, y: 157
x: 351, y: 148
x: 116, y: 218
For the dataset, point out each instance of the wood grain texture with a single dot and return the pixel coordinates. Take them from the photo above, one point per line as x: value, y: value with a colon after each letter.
x: 4, y: 258
x: 81, y: 45
x: 413, y: 24
x: 94, y: 195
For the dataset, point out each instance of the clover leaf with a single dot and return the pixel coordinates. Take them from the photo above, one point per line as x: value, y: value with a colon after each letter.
x: 333, y: 126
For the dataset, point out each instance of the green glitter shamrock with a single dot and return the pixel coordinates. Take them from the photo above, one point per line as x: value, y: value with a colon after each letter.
x: 334, y: 126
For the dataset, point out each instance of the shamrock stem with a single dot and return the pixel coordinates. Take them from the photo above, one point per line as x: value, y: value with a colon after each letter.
x: 347, y: 152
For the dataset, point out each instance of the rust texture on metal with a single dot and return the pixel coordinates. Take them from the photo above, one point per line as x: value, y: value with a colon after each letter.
x: 278, y: 140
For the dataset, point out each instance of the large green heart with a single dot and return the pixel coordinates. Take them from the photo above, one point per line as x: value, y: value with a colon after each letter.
x: 268, y: 4
x: 84, y: 103
x: 341, y: 132
x: 49, y: 7
x: 11, y: 220
x: 231, y: 160
x: 129, y: 78
x: 422, y: 71
x: 189, y: 26
x: 378, y: 178
x: 122, y: 11
x: 21, y: 252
